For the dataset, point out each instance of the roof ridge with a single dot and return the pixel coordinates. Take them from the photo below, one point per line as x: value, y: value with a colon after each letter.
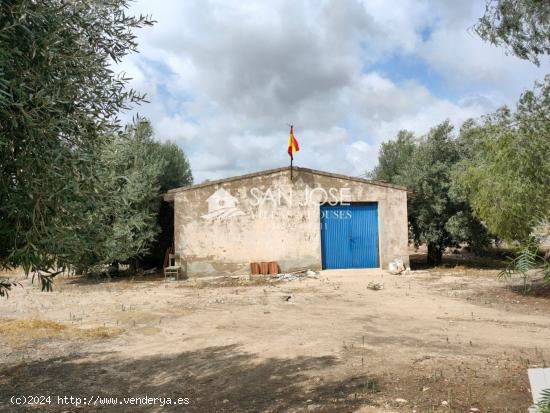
x: 276, y: 170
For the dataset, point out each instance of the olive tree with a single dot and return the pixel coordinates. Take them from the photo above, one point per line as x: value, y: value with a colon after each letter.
x: 506, y: 178
x: 438, y: 216
x: 59, y: 101
x: 521, y: 26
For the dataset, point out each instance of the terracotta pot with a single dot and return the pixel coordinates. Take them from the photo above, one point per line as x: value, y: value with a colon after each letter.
x: 264, y: 268
x: 254, y: 268
x: 273, y: 268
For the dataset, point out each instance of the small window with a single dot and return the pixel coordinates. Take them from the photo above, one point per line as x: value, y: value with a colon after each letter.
x: 221, y: 202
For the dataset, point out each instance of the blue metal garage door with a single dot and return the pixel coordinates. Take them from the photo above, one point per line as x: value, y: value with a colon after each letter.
x: 349, y: 236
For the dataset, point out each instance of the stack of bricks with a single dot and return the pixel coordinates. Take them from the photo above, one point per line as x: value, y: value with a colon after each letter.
x: 264, y: 268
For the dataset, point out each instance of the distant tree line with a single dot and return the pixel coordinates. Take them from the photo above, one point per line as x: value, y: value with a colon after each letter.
x: 488, y: 181
x: 439, y: 216
x: 491, y: 179
x: 76, y: 189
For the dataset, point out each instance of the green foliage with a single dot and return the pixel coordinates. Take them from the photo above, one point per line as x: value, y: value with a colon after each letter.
x: 133, y: 176
x: 465, y: 227
x: 59, y: 99
x: 528, y: 262
x: 432, y: 205
x: 494, y: 178
x: 122, y: 221
x: 543, y: 406
x: 522, y: 26
x: 506, y: 175
x: 438, y: 216
x: 393, y: 155
x: 6, y: 286
x: 122, y: 216
x: 177, y: 171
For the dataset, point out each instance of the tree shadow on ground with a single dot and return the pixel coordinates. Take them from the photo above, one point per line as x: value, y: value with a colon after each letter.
x: 535, y: 288
x: 467, y: 260
x: 215, y: 379
x: 119, y: 278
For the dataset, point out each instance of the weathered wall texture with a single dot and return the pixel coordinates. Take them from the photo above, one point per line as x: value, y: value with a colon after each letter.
x: 220, y: 228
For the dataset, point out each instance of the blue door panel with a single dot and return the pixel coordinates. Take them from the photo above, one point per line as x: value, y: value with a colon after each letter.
x: 349, y: 236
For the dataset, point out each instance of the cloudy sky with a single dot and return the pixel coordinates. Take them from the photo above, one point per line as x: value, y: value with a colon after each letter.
x: 224, y: 78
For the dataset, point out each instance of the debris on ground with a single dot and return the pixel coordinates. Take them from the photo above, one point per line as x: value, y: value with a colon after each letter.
x: 295, y: 275
x: 375, y: 286
x: 286, y: 277
x: 396, y: 266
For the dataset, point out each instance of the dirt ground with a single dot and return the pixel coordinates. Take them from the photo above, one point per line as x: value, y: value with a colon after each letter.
x: 447, y: 339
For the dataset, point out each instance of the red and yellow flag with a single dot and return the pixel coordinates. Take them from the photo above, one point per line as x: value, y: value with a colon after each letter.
x: 292, y: 144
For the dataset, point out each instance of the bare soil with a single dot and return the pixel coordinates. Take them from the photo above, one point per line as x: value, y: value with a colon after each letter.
x: 443, y: 339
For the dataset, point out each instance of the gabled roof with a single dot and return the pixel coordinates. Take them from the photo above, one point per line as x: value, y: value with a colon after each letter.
x: 169, y: 195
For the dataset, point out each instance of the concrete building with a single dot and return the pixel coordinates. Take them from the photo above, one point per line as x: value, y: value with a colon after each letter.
x: 316, y: 220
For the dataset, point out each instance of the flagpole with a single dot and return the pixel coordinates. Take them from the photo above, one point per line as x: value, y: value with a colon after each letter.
x: 291, y: 156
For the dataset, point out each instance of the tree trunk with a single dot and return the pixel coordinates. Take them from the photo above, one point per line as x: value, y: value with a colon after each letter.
x: 435, y: 254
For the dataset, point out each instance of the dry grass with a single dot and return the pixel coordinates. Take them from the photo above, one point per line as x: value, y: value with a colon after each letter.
x: 19, y: 332
x: 456, y: 334
x: 220, y: 282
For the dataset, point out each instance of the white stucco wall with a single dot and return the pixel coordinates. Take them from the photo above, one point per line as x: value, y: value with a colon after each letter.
x: 276, y: 219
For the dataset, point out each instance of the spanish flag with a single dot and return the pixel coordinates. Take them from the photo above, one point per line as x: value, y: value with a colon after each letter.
x: 292, y: 144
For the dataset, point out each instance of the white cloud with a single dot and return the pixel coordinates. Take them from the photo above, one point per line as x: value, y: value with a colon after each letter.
x: 481, y: 65
x: 362, y: 155
x: 224, y: 78
x: 175, y: 128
